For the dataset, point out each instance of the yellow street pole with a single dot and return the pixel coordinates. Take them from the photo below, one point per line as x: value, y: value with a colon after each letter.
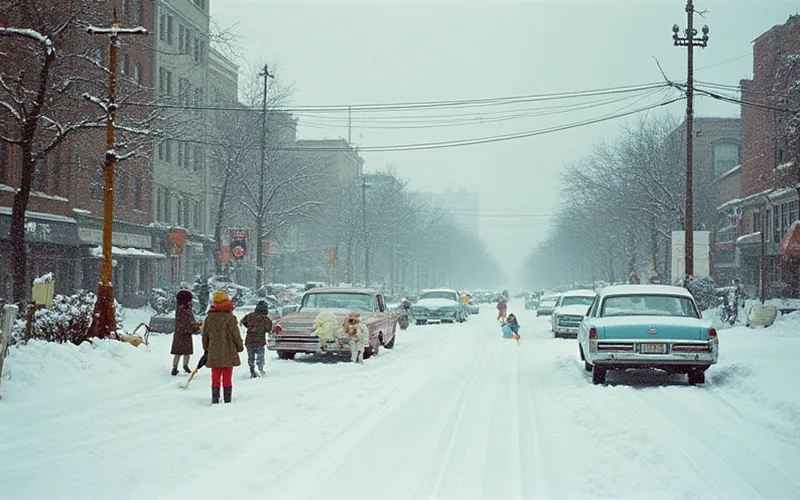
x: 104, y: 322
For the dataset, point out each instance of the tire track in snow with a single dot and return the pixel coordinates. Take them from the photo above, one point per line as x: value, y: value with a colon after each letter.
x: 753, y: 470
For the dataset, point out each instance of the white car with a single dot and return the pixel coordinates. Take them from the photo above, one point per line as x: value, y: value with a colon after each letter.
x: 440, y: 305
x: 569, y: 311
x: 547, y: 304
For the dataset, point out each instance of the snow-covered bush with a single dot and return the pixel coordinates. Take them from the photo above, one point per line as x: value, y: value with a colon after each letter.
x: 67, y: 321
x: 704, y: 291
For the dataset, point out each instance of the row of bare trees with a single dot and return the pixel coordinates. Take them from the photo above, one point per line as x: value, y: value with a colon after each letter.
x: 620, y: 205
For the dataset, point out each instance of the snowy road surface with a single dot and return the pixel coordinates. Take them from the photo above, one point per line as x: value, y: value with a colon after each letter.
x: 454, y: 411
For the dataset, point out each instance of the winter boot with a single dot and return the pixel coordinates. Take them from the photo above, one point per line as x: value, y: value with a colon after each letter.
x: 174, y: 371
x: 253, y: 373
x: 227, y: 393
x: 186, y: 369
x: 261, y: 371
x: 214, y: 395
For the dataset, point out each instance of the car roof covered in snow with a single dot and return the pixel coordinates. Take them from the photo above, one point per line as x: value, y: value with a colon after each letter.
x: 644, y: 290
x: 579, y: 293
x: 320, y: 289
x: 440, y: 290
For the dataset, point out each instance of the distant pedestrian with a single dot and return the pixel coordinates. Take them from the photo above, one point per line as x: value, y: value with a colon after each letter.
x: 633, y: 278
x: 358, y: 334
x: 511, y: 328
x: 222, y: 343
x: 258, y: 325
x: 502, y: 308
x: 185, y: 327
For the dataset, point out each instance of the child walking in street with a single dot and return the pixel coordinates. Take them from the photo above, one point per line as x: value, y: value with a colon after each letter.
x: 359, y: 336
x: 502, y: 307
x: 185, y: 327
x: 258, y: 324
x: 511, y: 328
x: 222, y: 343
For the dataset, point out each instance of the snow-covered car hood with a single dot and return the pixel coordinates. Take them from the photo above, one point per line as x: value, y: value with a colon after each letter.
x: 547, y: 305
x: 435, y: 303
x: 573, y: 310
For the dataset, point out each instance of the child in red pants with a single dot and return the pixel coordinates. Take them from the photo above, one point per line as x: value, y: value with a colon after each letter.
x: 222, y: 343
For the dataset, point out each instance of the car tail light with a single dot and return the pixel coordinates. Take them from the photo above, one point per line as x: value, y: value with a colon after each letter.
x: 277, y: 329
x: 592, y: 333
x: 712, y: 333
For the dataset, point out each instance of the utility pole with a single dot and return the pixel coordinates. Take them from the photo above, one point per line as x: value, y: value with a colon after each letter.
x: 104, y: 322
x: 262, y: 172
x: 364, y: 186
x: 349, y: 124
x: 690, y: 41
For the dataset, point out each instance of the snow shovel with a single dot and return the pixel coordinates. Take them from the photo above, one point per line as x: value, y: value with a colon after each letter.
x: 200, y: 364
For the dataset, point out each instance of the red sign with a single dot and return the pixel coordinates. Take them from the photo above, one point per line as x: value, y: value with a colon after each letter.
x: 238, y: 243
x: 178, y: 237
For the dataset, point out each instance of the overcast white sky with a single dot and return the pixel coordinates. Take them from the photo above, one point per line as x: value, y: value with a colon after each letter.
x: 391, y: 51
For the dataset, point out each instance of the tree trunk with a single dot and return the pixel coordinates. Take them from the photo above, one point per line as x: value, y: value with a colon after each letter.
x: 19, y: 254
x: 218, y: 224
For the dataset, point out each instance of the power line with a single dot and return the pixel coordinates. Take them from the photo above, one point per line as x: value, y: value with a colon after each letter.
x: 410, y: 106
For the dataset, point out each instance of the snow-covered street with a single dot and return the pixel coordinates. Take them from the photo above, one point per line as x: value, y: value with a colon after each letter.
x: 454, y: 411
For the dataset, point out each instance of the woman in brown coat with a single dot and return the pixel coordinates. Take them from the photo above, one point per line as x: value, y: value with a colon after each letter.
x: 185, y: 327
x: 222, y: 343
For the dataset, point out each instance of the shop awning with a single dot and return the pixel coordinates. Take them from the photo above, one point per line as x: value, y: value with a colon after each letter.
x: 136, y: 253
x: 790, y: 244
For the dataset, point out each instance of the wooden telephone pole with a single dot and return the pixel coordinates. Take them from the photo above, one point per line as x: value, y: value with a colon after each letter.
x: 690, y: 40
x: 105, y: 321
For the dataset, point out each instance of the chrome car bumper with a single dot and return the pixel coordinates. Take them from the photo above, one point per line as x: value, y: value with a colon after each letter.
x: 565, y: 332
x: 306, y: 343
x: 664, y: 353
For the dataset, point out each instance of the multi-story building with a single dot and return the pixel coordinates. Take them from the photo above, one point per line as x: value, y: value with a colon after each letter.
x: 770, y: 170
x: 180, y: 205
x: 64, y: 218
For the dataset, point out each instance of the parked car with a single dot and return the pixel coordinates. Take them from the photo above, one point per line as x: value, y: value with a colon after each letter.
x: 547, y: 303
x: 570, y: 310
x: 441, y: 305
x: 294, y: 332
x: 646, y: 326
x: 532, y: 301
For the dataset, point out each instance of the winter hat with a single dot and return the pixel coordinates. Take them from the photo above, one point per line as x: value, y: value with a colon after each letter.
x: 220, y: 297
x: 184, y: 297
x: 262, y: 307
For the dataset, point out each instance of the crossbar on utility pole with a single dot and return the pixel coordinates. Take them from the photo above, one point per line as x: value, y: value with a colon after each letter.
x: 690, y: 41
x: 104, y: 322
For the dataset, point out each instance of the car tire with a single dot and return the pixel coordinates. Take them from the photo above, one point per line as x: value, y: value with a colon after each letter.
x: 587, y: 366
x: 598, y: 375
x: 390, y: 344
x: 286, y: 355
x: 697, y: 377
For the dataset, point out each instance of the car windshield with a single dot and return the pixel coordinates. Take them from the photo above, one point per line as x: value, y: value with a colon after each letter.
x: 648, y: 305
x: 577, y: 300
x: 549, y: 299
x: 439, y: 294
x: 350, y: 301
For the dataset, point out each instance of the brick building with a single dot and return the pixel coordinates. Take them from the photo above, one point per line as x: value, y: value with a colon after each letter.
x: 770, y: 171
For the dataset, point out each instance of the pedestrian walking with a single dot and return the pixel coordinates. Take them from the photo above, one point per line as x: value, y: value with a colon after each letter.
x: 633, y: 278
x: 258, y: 324
x: 185, y: 327
x: 511, y: 328
x: 358, y: 334
x: 222, y: 343
x: 502, y: 307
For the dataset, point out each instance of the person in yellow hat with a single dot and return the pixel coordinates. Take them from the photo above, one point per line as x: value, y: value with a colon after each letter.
x: 222, y: 343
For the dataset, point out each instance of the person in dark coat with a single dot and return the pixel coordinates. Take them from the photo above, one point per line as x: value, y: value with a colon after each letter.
x: 258, y: 325
x: 185, y: 327
x: 222, y: 343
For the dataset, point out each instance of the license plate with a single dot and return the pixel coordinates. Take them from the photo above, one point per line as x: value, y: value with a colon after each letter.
x: 653, y: 348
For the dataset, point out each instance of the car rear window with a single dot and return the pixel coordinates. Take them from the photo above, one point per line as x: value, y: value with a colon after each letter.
x: 577, y: 300
x: 648, y: 305
x: 439, y: 295
x: 350, y: 301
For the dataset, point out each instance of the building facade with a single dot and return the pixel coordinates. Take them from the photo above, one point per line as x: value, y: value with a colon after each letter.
x: 770, y: 172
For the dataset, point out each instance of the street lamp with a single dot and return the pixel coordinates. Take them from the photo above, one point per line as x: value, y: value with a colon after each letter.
x: 689, y: 40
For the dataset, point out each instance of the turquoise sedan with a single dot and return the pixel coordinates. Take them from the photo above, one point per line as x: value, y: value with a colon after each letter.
x: 646, y: 326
